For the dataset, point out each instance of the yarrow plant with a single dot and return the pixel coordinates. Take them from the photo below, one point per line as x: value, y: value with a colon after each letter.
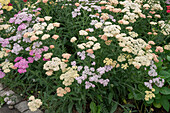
x: 87, y: 55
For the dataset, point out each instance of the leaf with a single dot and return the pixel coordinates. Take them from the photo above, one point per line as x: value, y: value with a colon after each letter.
x: 98, y: 109
x: 79, y: 107
x: 130, y: 96
x: 138, y: 96
x: 110, y: 96
x: 168, y: 58
x: 156, y: 89
x: 100, y: 98
x: 93, y: 107
x: 70, y: 106
x: 165, y: 103
x: 150, y: 101
x: 165, y: 90
x: 158, y: 64
x: 157, y: 96
x: 164, y: 74
x: 157, y: 105
x: 114, y: 107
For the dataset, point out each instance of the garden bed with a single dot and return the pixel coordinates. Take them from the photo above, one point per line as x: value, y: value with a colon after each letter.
x: 86, y: 56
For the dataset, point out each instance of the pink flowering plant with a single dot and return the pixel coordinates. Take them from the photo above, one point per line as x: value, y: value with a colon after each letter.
x: 88, y: 55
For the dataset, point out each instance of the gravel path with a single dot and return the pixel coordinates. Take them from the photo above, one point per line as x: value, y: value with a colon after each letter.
x: 5, y: 109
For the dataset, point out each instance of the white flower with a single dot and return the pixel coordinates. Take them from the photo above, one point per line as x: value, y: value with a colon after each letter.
x: 34, y: 104
x: 153, y: 23
x: 45, y: 36
x: 107, y: 23
x: 73, y: 39
x: 47, y: 18
x: 96, y: 46
x: 80, y: 46
x: 98, y: 25
x: 83, y: 32
x: 32, y: 98
x: 48, y: 55
x: 44, y: 24
x: 92, y: 38
x: 50, y: 26
x: 38, y: 32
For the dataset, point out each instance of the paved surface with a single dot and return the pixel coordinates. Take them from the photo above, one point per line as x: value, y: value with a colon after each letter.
x: 5, y: 109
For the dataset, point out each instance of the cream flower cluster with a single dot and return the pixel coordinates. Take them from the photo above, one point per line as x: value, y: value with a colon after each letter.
x: 34, y: 104
x: 61, y: 91
x: 155, y: 4
x: 48, y: 55
x: 55, y: 65
x: 73, y: 39
x: 165, y: 27
x: 3, y: 54
x: 149, y: 94
x: 131, y: 16
x: 4, y: 26
x: 133, y: 34
x: 111, y: 30
x: 109, y: 61
x: 69, y: 76
x: 136, y: 47
x: 167, y: 47
x: 83, y: 32
x: 6, y: 66
x: 39, y: 27
x: 90, y: 43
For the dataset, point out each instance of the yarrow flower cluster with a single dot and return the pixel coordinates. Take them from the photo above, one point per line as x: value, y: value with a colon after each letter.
x: 22, y: 65
x: 34, y: 104
x: 149, y: 94
x: 61, y: 92
x: 157, y: 81
x: 5, y: 4
x: 55, y: 65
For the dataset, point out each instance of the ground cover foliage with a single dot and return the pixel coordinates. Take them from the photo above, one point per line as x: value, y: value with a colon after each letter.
x: 82, y: 56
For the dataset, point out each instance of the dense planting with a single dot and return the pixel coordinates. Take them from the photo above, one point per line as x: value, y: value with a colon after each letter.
x: 69, y: 56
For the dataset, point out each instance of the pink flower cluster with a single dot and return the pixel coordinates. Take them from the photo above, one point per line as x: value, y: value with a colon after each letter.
x: 23, y: 63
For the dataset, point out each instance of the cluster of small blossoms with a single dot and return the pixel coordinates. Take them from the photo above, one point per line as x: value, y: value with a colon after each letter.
x: 36, y: 52
x: 111, y: 30
x: 16, y: 48
x: 110, y: 62
x: 89, y: 45
x: 165, y: 27
x: 4, y: 42
x: 22, y: 19
x: 5, y: 4
x: 3, y: 53
x: 2, y: 74
x: 89, y: 73
x: 155, y: 5
x: 136, y: 47
x: 87, y: 5
x: 4, y: 26
x: 167, y: 47
x: 34, y: 104
x: 61, y: 92
x: 6, y: 65
x: 22, y: 63
x: 39, y: 27
x: 149, y: 94
x: 8, y: 100
x: 53, y: 65
x: 69, y: 76
x: 130, y: 16
x: 82, y: 55
x: 157, y: 81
